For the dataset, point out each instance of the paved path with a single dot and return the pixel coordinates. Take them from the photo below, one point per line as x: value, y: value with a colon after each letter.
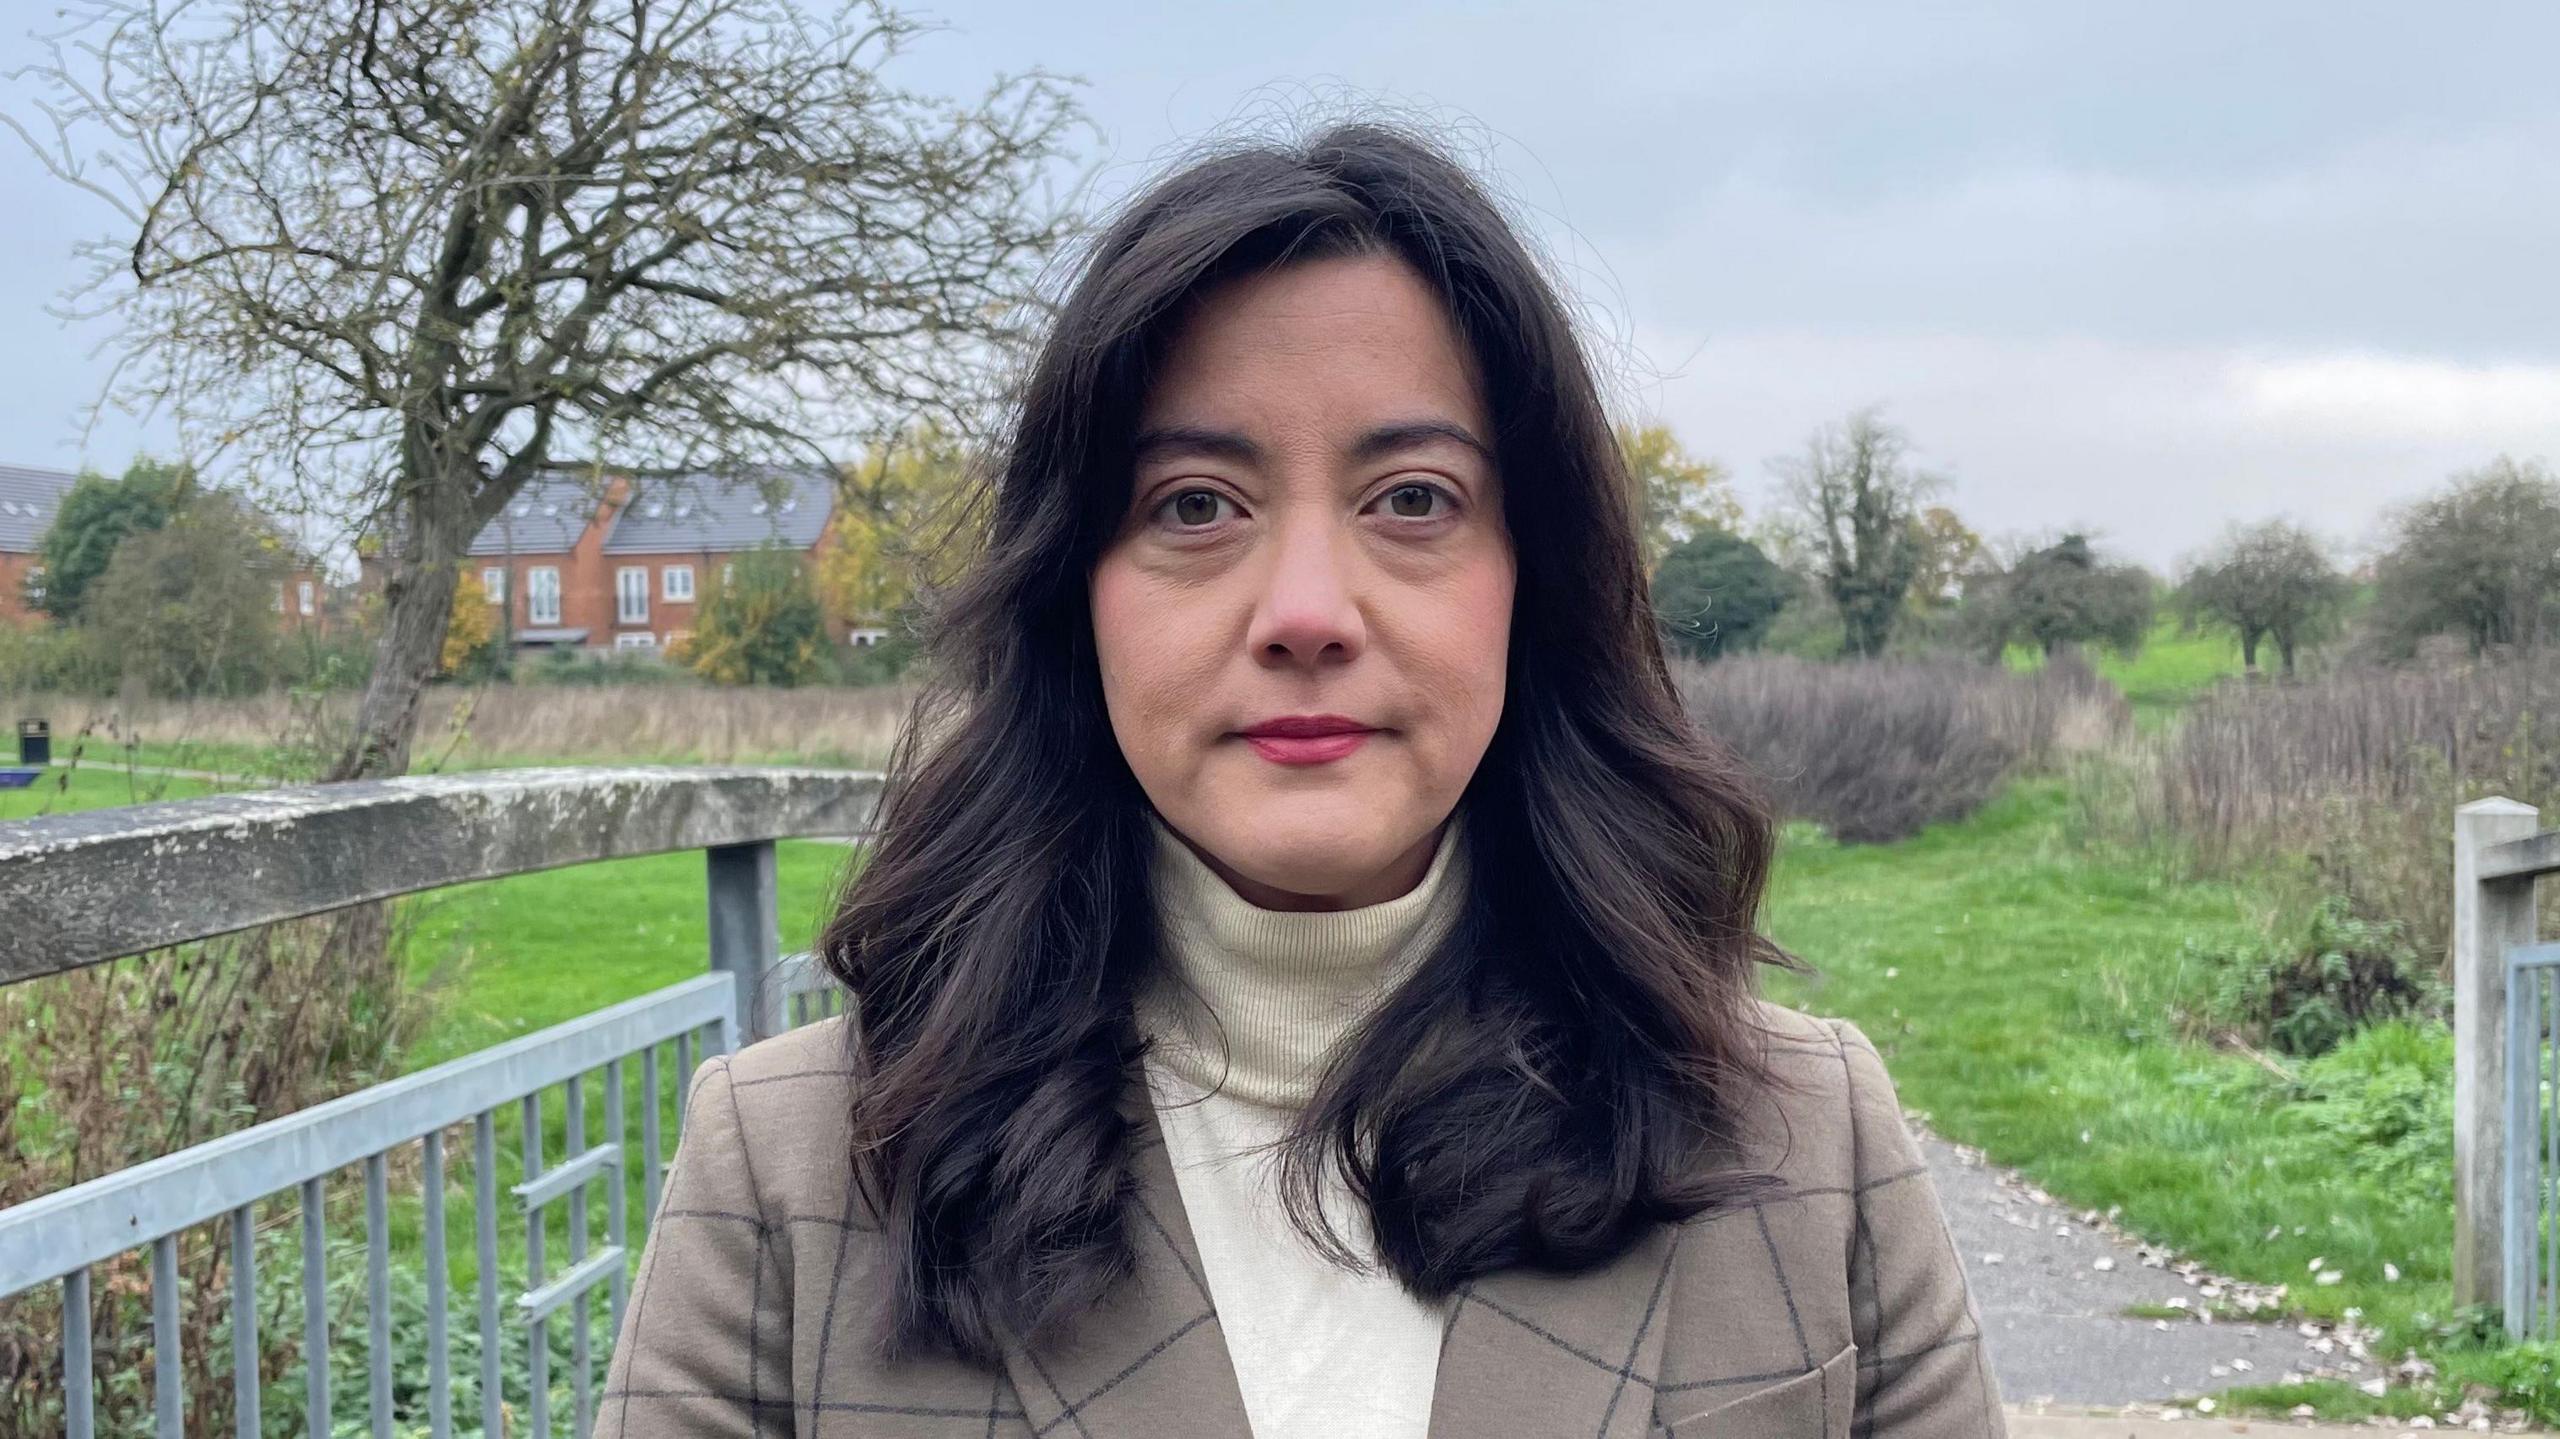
x: 2053, y: 1285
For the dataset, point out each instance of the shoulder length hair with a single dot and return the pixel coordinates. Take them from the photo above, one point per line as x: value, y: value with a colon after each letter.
x: 1558, y: 1077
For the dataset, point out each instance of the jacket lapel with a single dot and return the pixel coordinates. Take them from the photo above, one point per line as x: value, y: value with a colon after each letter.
x: 1532, y: 1353
x: 1152, y: 1360
x: 1524, y: 1352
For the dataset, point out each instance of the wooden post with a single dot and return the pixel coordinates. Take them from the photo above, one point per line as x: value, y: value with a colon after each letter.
x: 2488, y: 920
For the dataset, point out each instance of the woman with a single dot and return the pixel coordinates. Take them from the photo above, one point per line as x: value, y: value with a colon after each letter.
x: 1306, y: 985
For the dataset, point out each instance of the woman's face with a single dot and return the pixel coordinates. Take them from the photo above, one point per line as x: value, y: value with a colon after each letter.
x: 1304, y: 621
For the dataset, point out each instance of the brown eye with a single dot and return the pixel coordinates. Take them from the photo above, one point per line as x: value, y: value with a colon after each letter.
x: 1411, y: 502
x: 1195, y: 507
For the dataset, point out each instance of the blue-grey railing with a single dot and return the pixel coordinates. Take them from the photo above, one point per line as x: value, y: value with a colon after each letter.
x: 2531, y: 1239
x: 82, y: 889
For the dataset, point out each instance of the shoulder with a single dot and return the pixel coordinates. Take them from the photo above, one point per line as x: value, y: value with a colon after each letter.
x: 1829, y: 1112
x: 813, y: 1063
x: 783, y: 1102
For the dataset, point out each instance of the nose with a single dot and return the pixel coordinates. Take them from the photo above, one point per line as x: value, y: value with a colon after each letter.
x: 1308, y: 614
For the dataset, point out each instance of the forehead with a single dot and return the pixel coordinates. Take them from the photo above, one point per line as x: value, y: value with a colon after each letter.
x: 1330, y: 345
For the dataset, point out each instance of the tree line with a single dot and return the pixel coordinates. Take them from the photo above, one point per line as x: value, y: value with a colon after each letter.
x: 1861, y: 556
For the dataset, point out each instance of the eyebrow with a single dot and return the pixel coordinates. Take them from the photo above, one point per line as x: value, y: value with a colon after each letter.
x: 1382, y: 440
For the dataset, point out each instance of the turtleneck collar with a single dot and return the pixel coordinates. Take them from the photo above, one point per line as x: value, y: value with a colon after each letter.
x: 1251, y: 1001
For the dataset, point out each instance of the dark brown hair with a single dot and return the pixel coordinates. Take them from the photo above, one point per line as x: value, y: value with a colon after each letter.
x: 1556, y: 1078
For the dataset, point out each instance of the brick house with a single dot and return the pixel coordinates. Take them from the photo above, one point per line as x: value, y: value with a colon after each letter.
x: 621, y: 566
x: 28, y: 499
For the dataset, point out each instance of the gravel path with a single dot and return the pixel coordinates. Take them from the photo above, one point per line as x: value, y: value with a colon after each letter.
x: 2053, y: 1285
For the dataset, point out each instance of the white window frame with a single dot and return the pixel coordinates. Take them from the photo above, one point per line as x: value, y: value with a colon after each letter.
x: 670, y: 591
x: 637, y: 640
x: 631, y: 595
x: 542, y: 595
x: 493, y: 584
x: 305, y: 596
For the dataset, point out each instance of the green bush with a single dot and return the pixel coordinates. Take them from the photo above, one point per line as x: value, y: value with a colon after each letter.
x: 2528, y: 1378
x: 760, y: 624
x: 2306, y: 993
x: 2380, y: 1105
x: 46, y: 658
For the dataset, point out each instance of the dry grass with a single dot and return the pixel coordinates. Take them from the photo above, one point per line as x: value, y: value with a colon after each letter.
x: 854, y: 727
x: 1876, y: 751
x: 2358, y: 772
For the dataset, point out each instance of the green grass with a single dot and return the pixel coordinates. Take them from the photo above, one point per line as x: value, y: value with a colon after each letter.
x: 508, y: 956
x: 2018, y: 987
x: 64, y: 790
x: 2172, y: 670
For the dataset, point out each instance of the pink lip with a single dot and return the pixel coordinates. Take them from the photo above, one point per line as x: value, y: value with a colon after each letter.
x: 1307, y: 739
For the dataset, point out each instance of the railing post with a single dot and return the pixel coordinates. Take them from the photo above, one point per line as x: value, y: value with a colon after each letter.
x: 746, y: 937
x: 2488, y: 920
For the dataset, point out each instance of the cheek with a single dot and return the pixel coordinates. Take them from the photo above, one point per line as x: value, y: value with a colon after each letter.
x: 1472, y: 652
x: 1143, y: 660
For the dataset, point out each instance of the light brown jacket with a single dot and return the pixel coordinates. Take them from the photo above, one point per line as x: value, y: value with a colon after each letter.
x: 1834, y: 1310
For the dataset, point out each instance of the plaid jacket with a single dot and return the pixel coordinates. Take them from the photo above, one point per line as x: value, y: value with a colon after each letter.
x: 1834, y: 1310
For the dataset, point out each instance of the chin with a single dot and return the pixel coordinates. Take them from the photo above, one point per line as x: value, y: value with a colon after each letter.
x: 1314, y: 851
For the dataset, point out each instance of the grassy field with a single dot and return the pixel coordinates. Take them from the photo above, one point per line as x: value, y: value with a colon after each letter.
x: 2019, y: 986
x: 2171, y: 670
x: 508, y: 956
x: 62, y: 791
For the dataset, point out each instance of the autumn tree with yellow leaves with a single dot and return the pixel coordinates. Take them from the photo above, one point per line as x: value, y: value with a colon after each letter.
x: 901, y: 524
x: 1678, y: 496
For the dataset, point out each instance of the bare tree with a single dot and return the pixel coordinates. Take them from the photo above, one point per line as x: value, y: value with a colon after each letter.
x: 393, y: 257
x: 1854, y: 492
x: 2271, y: 580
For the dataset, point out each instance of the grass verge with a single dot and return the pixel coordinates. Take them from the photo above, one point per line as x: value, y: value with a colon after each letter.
x: 2020, y: 986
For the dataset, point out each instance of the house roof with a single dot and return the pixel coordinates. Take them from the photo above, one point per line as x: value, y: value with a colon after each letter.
x: 545, y: 518
x: 28, y: 499
x: 705, y: 513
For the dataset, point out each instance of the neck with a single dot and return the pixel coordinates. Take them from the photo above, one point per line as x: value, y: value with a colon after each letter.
x: 1401, y: 876
x: 1252, y: 1000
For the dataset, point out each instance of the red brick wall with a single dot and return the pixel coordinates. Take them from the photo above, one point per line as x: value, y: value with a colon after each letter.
x: 13, y: 576
x: 666, y: 617
x: 289, y: 615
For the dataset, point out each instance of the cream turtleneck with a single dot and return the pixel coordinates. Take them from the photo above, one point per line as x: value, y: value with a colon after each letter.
x: 1250, y: 1004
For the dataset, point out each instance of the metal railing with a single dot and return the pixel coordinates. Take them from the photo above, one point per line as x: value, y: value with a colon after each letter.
x: 80, y: 889
x: 2506, y: 1083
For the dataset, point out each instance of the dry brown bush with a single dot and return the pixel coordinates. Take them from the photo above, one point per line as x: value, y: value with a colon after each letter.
x: 1874, y: 751
x: 2358, y: 772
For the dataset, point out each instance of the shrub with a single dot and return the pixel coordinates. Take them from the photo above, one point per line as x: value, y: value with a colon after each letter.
x: 1875, y: 751
x: 189, y: 607
x: 2381, y: 1106
x: 1716, y: 594
x: 612, y: 667
x: 760, y: 624
x: 2306, y: 993
x: 127, y: 1061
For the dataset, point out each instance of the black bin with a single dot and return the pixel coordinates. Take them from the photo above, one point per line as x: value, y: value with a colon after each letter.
x: 35, y: 742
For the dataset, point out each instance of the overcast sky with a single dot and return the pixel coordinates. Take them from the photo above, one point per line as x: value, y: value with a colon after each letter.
x: 2135, y: 268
